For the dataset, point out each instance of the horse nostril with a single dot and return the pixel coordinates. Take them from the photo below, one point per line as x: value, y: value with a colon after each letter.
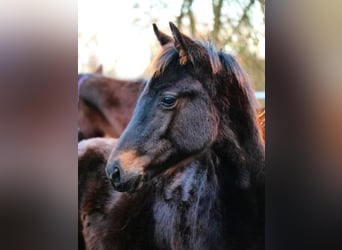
x: 115, y: 177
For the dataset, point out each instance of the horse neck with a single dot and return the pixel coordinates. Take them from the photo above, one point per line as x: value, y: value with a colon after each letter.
x: 204, y: 196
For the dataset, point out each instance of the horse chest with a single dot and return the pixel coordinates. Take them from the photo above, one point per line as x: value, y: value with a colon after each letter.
x: 186, y: 212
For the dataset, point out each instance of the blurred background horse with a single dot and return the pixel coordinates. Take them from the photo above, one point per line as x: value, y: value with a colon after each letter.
x: 105, y: 105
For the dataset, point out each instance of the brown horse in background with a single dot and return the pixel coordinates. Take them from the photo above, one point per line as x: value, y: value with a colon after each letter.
x: 105, y: 105
x: 93, y: 187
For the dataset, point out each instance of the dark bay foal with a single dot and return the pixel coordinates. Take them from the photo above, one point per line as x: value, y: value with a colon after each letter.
x: 188, y: 171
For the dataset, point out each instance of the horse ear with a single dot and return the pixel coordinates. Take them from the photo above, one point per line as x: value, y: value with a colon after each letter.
x: 187, y: 48
x: 162, y: 37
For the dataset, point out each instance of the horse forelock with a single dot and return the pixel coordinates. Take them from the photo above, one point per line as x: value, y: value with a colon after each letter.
x: 169, y: 53
x: 166, y: 55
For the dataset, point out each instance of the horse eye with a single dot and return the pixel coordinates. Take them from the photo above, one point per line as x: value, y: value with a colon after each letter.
x: 168, y: 101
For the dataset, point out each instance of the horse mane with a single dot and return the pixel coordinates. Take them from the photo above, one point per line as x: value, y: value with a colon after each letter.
x: 237, y: 98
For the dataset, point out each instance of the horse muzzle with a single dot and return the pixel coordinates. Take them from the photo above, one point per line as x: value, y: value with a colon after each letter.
x: 121, y: 180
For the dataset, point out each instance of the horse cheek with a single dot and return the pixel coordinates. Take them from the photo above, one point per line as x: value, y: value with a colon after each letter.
x: 192, y: 129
